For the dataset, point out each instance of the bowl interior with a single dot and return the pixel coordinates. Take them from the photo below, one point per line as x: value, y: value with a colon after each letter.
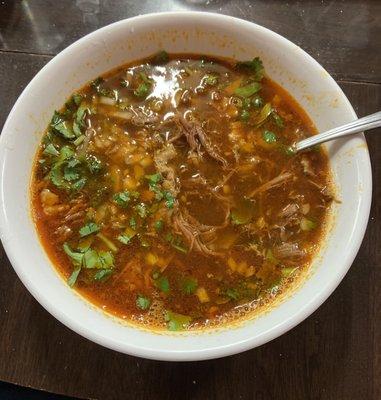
x: 200, y: 33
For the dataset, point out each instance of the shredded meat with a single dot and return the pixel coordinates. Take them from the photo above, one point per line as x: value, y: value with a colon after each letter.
x: 161, y: 158
x: 277, y: 181
x: 289, y: 211
x: 142, y: 117
x: 197, y: 235
x: 77, y: 211
x: 288, y: 250
x: 197, y: 139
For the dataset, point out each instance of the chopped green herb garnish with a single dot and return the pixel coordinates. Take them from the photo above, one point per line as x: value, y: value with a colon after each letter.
x: 245, y: 115
x: 307, y: 224
x: 169, y: 199
x: 102, y: 274
x: 159, y: 225
x: 232, y: 293
x: 80, y: 115
x: 257, y: 102
x: 93, y: 163
x: 269, y: 137
x: 125, y: 238
x: 74, y: 276
x: 176, y: 321
x: 162, y: 283
x: 97, y: 82
x: 154, y: 178
x: 143, y: 302
x: 133, y: 224
x: 51, y: 150
x: 288, y: 271
x: 91, y: 259
x: 278, y: 119
x: 189, y: 285
x: 61, y: 126
x: 70, y: 173
x: 77, y: 99
x: 97, y: 86
x: 254, y: 66
x: 122, y: 198
x: 77, y: 129
x: 142, y: 210
x: 210, y: 80
x: 79, y: 140
x: 248, y: 90
x: 160, y: 58
x: 79, y: 184
x: 144, y: 88
x: 75, y: 256
x: 88, y: 229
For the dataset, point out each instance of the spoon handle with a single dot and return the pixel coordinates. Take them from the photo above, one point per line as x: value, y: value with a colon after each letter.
x: 363, y: 124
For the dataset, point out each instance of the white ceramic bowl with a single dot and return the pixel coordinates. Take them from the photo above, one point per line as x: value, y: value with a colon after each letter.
x: 191, y: 32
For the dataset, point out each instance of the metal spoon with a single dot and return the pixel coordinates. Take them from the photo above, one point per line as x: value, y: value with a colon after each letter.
x: 363, y: 124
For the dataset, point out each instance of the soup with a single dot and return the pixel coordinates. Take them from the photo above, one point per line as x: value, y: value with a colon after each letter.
x: 167, y: 192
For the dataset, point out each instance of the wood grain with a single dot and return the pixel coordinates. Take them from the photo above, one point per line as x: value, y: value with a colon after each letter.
x: 343, y: 36
x: 334, y: 354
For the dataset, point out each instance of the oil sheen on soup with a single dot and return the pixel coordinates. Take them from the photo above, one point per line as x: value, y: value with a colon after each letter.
x: 167, y: 192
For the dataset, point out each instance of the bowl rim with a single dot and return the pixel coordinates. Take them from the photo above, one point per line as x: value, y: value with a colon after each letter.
x: 184, y: 355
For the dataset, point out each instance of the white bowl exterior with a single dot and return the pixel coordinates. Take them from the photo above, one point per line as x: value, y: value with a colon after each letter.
x: 133, y: 39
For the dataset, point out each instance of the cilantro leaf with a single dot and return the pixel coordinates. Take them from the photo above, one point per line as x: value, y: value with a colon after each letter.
x: 88, y: 229
x: 133, y: 223
x: 210, y: 80
x: 122, y: 198
x: 169, y: 199
x: 160, y: 58
x: 278, y: 119
x: 162, y: 283
x: 70, y: 173
x: 189, y: 285
x: 254, y: 66
x: 73, y: 277
x: 142, y: 210
x: 125, y: 238
x: 143, y: 302
x: 77, y: 99
x: 76, y: 129
x: 75, y: 256
x: 232, y: 293
x: 154, y: 178
x: 80, y: 115
x: 93, y: 163
x: 102, y: 274
x: 79, y: 184
x: 91, y: 259
x: 269, y: 137
x: 159, y: 225
x: 248, y: 90
x: 176, y: 321
x: 59, y: 125
x: 51, y: 150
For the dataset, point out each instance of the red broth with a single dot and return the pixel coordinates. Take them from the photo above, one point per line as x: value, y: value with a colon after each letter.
x: 167, y: 192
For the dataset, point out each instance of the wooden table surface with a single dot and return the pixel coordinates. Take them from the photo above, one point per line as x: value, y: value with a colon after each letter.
x: 334, y: 354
